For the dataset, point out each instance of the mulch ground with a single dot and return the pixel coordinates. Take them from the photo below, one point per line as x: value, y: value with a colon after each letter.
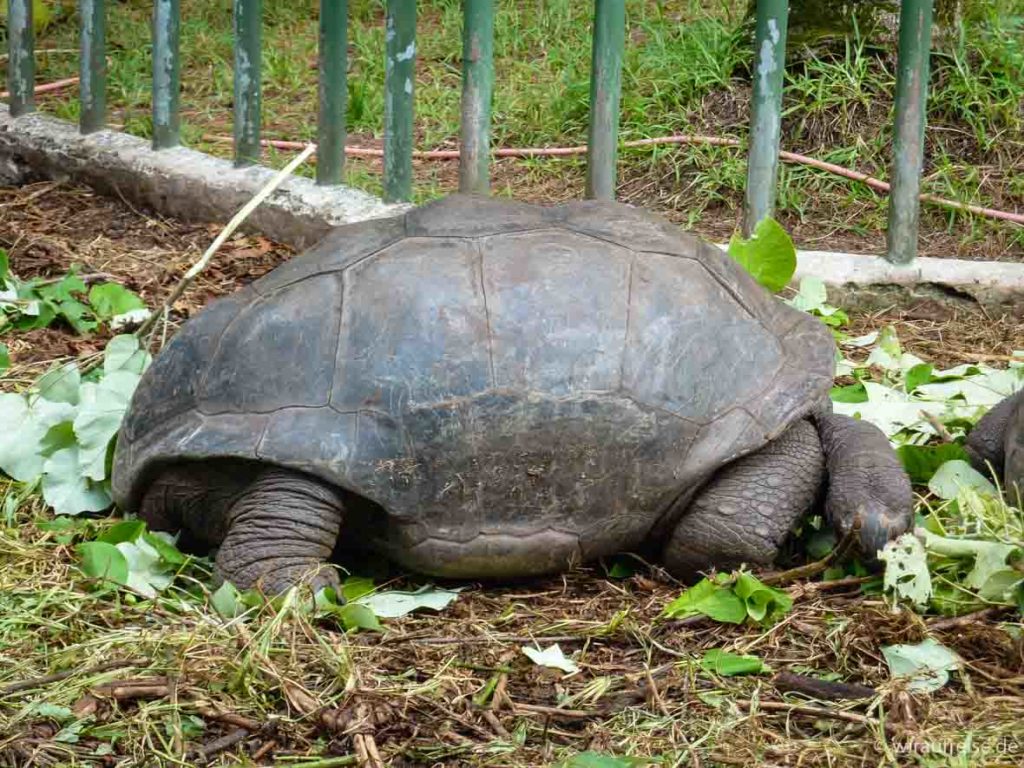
x: 455, y: 688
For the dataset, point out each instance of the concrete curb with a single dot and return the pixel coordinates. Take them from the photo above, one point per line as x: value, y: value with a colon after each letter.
x: 179, y: 182
x: 193, y: 186
x: 871, y: 282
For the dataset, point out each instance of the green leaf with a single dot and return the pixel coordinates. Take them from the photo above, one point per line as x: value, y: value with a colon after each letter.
x: 63, y: 290
x: 922, y: 461
x: 918, y: 375
x: 66, y: 490
x: 43, y: 316
x: 226, y: 600
x: 110, y: 299
x: 126, y: 530
x: 356, y: 616
x: 51, y: 711
x: 552, y: 657
x: 122, y: 353
x: 622, y: 567
x: 763, y: 603
x: 5, y: 358
x: 393, y: 604
x: 925, y: 665
x: 163, y: 543
x: 147, y: 574
x: 5, y: 265
x: 811, y: 296
x: 99, y: 418
x: 769, y: 256
x: 355, y: 587
x: 58, y: 437
x: 21, y: 458
x: 101, y: 560
x: 597, y: 760
x: 889, y: 342
x: 906, y: 570
x: 60, y: 384
x: 77, y: 315
x: 853, y: 393
x: 708, y: 599
x: 953, y: 475
x: 992, y: 575
x: 728, y: 664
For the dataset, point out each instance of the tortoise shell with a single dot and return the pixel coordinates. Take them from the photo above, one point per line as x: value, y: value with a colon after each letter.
x: 488, y: 371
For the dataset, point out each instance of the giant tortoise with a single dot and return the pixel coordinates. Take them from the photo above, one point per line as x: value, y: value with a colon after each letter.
x: 488, y: 389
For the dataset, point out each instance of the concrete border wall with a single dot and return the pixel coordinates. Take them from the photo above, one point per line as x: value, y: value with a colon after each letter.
x: 193, y: 186
x: 178, y: 182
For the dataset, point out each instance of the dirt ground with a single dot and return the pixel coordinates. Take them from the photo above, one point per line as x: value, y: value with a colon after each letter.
x: 415, y: 690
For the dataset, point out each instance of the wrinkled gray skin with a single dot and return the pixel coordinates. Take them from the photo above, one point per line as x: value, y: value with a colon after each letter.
x: 487, y: 389
x: 996, y: 446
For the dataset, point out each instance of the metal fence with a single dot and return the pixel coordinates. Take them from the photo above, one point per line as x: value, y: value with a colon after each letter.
x: 477, y: 89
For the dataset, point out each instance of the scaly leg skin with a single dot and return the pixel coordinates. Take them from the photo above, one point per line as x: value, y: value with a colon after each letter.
x: 996, y: 445
x: 281, y: 532
x: 1013, y: 475
x: 194, y: 498
x: 865, y: 477
x: 746, y: 511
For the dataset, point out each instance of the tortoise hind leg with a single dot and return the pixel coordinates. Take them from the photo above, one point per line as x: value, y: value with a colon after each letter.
x: 746, y: 511
x: 281, y: 531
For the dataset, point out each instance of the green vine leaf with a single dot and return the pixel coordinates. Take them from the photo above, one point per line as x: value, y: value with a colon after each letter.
x: 769, y: 255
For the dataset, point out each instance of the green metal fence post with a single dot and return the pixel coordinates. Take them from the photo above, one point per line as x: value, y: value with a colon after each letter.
x: 247, y: 14
x: 21, y: 64
x: 605, y: 89
x: 92, y: 65
x: 477, y: 90
x: 908, y: 134
x: 166, y: 73
x: 766, y: 111
x: 330, y: 142
x: 399, y: 76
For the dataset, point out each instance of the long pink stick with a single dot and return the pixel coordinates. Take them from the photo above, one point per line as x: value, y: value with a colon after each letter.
x: 681, y: 138
x: 56, y: 85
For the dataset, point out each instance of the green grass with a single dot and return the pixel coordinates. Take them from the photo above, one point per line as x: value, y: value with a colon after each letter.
x: 687, y: 69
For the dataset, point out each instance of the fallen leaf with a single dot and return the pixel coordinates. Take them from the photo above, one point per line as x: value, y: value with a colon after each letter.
x: 551, y: 656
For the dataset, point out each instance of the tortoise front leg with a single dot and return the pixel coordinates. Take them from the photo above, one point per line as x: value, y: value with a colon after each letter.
x: 281, y: 531
x: 748, y: 508
x: 865, y: 478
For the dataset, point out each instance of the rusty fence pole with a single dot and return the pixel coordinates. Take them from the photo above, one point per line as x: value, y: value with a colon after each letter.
x: 766, y: 112
x: 21, y: 58
x: 248, y: 95
x: 605, y: 90
x: 477, y: 91
x: 908, y: 129
x: 333, y: 92
x: 166, y: 73
x: 92, y: 65
x: 399, y: 81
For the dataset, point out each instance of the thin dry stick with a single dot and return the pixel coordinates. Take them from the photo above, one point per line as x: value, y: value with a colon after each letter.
x: 225, y: 233
x: 106, y: 666
x: 841, y: 550
x: 939, y: 427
